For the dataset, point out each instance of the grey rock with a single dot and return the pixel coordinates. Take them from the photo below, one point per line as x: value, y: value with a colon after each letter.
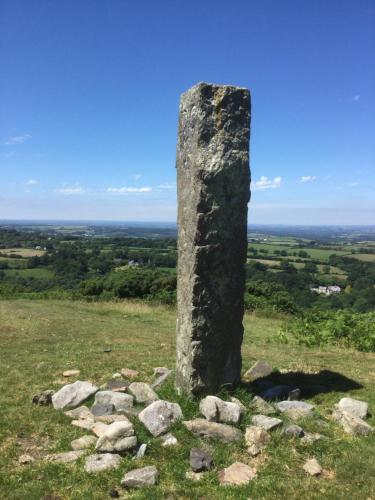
x: 83, y: 442
x: 296, y: 409
x: 159, y: 416
x: 351, y: 424
x: 311, y: 437
x: 312, y: 467
x: 161, y: 379
x: 44, y: 398
x: 117, y: 385
x: 168, y: 440
x: 256, y: 439
x: 142, y: 392
x: 109, y: 419
x: 353, y: 406
x: 84, y: 423
x: 203, y: 428
x: 72, y: 395
x: 80, y: 413
x: 237, y: 474
x: 102, y: 461
x: 141, y: 451
x: 99, y: 428
x: 129, y: 373
x: 293, y: 431
x: 119, y: 400
x: 65, y: 457
x: 137, y: 478
x: 213, y: 193
x: 240, y: 404
x: 266, y: 423
x: 161, y: 370
x: 261, y: 406
x: 118, y: 436
x: 200, y: 461
x: 259, y: 370
x: 217, y: 410
x: 98, y: 410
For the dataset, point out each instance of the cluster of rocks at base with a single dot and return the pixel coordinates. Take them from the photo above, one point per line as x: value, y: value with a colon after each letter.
x: 109, y: 420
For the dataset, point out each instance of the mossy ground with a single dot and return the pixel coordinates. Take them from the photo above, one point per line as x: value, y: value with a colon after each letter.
x: 40, y: 339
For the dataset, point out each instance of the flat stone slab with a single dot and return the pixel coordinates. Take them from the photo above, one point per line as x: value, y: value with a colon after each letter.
x: 109, y: 419
x: 260, y: 405
x: 103, y: 461
x: 83, y: 423
x: 72, y: 395
x: 293, y: 431
x: 296, y: 409
x: 98, y: 410
x: 312, y: 467
x: 161, y: 379
x: 256, y: 439
x: 266, y: 423
x: 82, y: 412
x: 351, y: 424
x: 129, y: 373
x: 223, y: 432
x: 99, y: 428
x: 353, y: 406
x: 71, y: 373
x: 237, y: 474
x: 259, y: 370
x: 65, y: 457
x: 119, y: 400
x: 117, y: 385
x: 83, y: 442
x: 138, y: 478
x: 200, y: 460
x: 118, y: 436
x: 143, y: 393
x: 159, y: 416
x: 217, y: 410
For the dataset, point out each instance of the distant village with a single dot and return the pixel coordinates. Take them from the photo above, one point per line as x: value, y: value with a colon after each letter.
x: 326, y: 290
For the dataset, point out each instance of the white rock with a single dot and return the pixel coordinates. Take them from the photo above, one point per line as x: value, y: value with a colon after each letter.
x: 83, y: 442
x: 118, y: 436
x: 237, y: 474
x: 267, y: 423
x: 353, y: 406
x: 351, y: 424
x: 312, y: 467
x: 83, y: 423
x: 256, y: 439
x: 71, y: 373
x: 143, y: 392
x: 82, y: 412
x: 168, y: 440
x: 137, y: 478
x: 159, y: 416
x: 296, y: 409
x: 99, y: 428
x: 72, y: 395
x: 65, y: 457
x: 217, y: 410
x: 119, y: 400
x: 104, y: 461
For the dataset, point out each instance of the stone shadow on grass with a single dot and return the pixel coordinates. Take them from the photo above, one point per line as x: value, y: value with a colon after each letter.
x: 310, y: 384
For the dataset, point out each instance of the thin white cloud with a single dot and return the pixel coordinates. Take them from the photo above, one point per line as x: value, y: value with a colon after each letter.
x: 17, y: 139
x: 266, y: 183
x: 32, y: 182
x: 71, y: 190
x: 356, y: 98
x: 353, y: 184
x: 308, y: 178
x: 167, y: 185
x: 136, y: 177
x: 129, y: 190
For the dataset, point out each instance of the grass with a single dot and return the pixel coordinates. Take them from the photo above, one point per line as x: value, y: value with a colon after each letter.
x: 23, y: 252
x: 364, y: 257
x: 40, y: 339
x: 37, y: 272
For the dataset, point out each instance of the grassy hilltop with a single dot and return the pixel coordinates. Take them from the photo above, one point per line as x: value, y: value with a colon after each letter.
x: 40, y: 339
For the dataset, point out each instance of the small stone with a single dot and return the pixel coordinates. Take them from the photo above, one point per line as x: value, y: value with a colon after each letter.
x: 65, y: 457
x: 256, y: 439
x: 237, y: 474
x: 71, y: 373
x: 294, y: 394
x: 168, y: 440
x: 116, y: 385
x: 72, y: 395
x: 296, y: 409
x: 277, y: 392
x: 161, y: 370
x: 260, y: 405
x: 194, y: 476
x: 293, y: 431
x: 200, y: 460
x: 83, y: 423
x: 310, y: 438
x: 353, y: 406
x: 107, y: 349
x: 312, y: 467
x: 141, y: 451
x: 129, y: 373
x: 44, y: 398
x: 116, y: 375
x: 159, y: 416
x: 351, y: 424
x: 137, y: 478
x: 103, y: 461
x: 143, y: 393
x: 266, y: 423
x: 217, y: 410
x: 109, y: 419
x: 161, y: 379
x: 119, y: 400
x: 261, y: 369
x: 118, y: 436
x: 113, y: 493
x: 83, y: 442
x: 98, y: 410
x: 99, y: 428
x: 240, y: 404
x: 82, y: 412
x: 203, y: 428
x: 25, y: 459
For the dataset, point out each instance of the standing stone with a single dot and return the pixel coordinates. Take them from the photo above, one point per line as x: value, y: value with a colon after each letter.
x: 213, y: 193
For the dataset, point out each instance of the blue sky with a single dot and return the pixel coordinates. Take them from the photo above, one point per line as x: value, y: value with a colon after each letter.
x: 89, y: 104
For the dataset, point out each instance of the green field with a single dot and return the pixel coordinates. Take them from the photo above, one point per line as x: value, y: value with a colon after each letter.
x: 40, y: 339
x: 39, y: 272
x: 321, y: 254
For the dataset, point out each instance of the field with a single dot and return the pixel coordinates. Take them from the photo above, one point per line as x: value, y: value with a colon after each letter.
x: 30, y: 273
x: 40, y: 339
x: 23, y: 252
x: 365, y: 257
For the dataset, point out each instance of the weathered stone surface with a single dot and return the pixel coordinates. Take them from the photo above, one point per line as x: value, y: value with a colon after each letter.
x: 240, y: 404
x: 82, y: 412
x: 129, y: 373
x: 83, y: 442
x: 223, y: 432
x: 256, y: 439
x: 217, y: 410
x: 296, y: 409
x: 213, y: 192
x: 266, y: 423
x: 83, y: 423
x: 142, y: 392
x: 141, y: 451
x: 71, y: 373
x: 312, y: 467
x: 159, y: 416
x: 65, y: 457
x: 259, y: 370
x: 102, y: 461
x: 117, y: 385
x: 161, y: 379
x: 99, y: 428
x: 98, y: 410
x: 311, y: 437
x: 137, y: 478
x: 109, y: 419
x: 72, y: 395
x: 293, y: 431
x: 119, y: 400
x: 260, y: 405
x: 168, y: 440
x: 161, y: 370
x: 279, y: 392
x: 44, y: 398
x: 200, y: 460
x: 351, y: 424
x: 237, y: 474
x: 118, y: 436
x: 353, y: 406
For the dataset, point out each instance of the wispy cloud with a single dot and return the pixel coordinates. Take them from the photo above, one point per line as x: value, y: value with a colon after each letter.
x: 129, y: 190
x: 136, y: 177
x: 167, y: 185
x: 356, y: 98
x: 17, y: 139
x: 71, y: 190
x: 32, y: 182
x: 353, y: 184
x: 266, y: 183
x: 308, y: 178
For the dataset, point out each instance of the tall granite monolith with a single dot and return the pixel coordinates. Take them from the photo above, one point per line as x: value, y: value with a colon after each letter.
x: 213, y: 193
